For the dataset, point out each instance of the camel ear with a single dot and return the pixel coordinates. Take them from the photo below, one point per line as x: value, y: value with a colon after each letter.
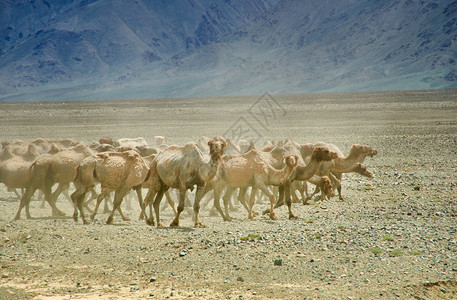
x: 210, y: 142
x: 224, y: 142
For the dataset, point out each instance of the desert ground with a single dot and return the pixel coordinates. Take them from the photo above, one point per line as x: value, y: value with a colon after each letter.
x: 393, y: 236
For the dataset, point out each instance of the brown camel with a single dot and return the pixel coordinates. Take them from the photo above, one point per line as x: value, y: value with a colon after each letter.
x: 115, y: 171
x: 319, y: 156
x: 182, y: 168
x: 251, y: 169
x: 49, y: 169
x: 351, y: 163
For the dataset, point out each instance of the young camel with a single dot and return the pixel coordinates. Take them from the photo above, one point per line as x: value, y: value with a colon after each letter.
x: 182, y: 168
x: 115, y: 171
x: 49, y: 169
x: 351, y: 163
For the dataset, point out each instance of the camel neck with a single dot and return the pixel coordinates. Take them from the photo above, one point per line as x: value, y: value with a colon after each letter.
x: 306, y: 172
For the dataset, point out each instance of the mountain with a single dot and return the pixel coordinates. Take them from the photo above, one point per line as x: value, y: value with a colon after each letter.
x: 58, y: 50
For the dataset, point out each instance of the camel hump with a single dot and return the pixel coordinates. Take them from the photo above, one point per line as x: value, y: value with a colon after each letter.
x: 32, y: 150
x: 55, y: 149
x: 252, y: 152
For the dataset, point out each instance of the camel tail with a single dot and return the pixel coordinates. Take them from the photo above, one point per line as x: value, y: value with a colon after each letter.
x: 76, y: 174
x: 148, y: 175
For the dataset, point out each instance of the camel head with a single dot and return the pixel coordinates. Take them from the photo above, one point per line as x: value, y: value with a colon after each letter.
x: 106, y: 140
x: 217, y: 146
x: 362, y: 150
x: 323, y: 154
x: 291, y: 160
x: 327, y: 187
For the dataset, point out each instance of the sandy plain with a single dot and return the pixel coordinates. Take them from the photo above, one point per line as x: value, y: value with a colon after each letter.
x: 394, y: 236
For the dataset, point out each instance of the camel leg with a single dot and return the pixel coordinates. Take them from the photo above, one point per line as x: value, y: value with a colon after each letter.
x: 148, y: 201
x: 288, y: 199
x: 124, y: 217
x: 305, y: 190
x: 227, y: 200
x: 103, y: 194
x: 61, y: 187
x: 77, y: 198
x: 118, y: 197
x: 336, y: 181
x: 260, y: 185
x: 41, y: 197
x: 105, y: 204
x: 139, y: 195
x: 156, y: 205
x: 242, y: 197
x: 171, y: 202
x: 279, y: 202
x: 217, y: 196
x: 48, y: 196
x: 316, y: 190
x: 198, y: 196
x: 251, y: 202
x: 182, y: 198
x: 25, y: 201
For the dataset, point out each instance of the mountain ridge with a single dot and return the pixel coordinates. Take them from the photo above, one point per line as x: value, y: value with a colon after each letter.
x: 213, y: 48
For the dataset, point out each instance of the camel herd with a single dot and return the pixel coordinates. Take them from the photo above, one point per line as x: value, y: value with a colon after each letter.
x: 215, y: 166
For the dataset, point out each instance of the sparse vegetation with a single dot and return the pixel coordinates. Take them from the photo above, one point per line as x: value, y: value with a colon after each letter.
x: 396, y: 252
x: 249, y: 237
x: 388, y: 238
x: 376, y: 250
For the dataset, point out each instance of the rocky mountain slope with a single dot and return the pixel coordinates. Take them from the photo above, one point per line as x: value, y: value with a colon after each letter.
x: 131, y: 49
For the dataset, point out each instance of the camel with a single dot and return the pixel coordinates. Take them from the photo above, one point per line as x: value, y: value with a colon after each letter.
x: 251, y: 169
x: 130, y: 142
x: 15, y: 169
x: 182, y: 168
x: 49, y: 169
x: 319, y: 156
x: 335, y: 169
x: 325, y: 185
x: 115, y: 171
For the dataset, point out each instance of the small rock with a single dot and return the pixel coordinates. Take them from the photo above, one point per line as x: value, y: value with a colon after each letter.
x: 278, y: 262
x: 134, y: 289
x: 239, y: 278
x: 152, y: 279
x: 181, y: 254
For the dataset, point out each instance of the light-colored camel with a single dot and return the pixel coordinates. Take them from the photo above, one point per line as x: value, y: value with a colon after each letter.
x: 130, y: 142
x: 115, y: 171
x: 251, y: 169
x: 182, y: 168
x: 319, y: 156
x: 342, y: 164
x: 15, y: 169
x: 49, y: 169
